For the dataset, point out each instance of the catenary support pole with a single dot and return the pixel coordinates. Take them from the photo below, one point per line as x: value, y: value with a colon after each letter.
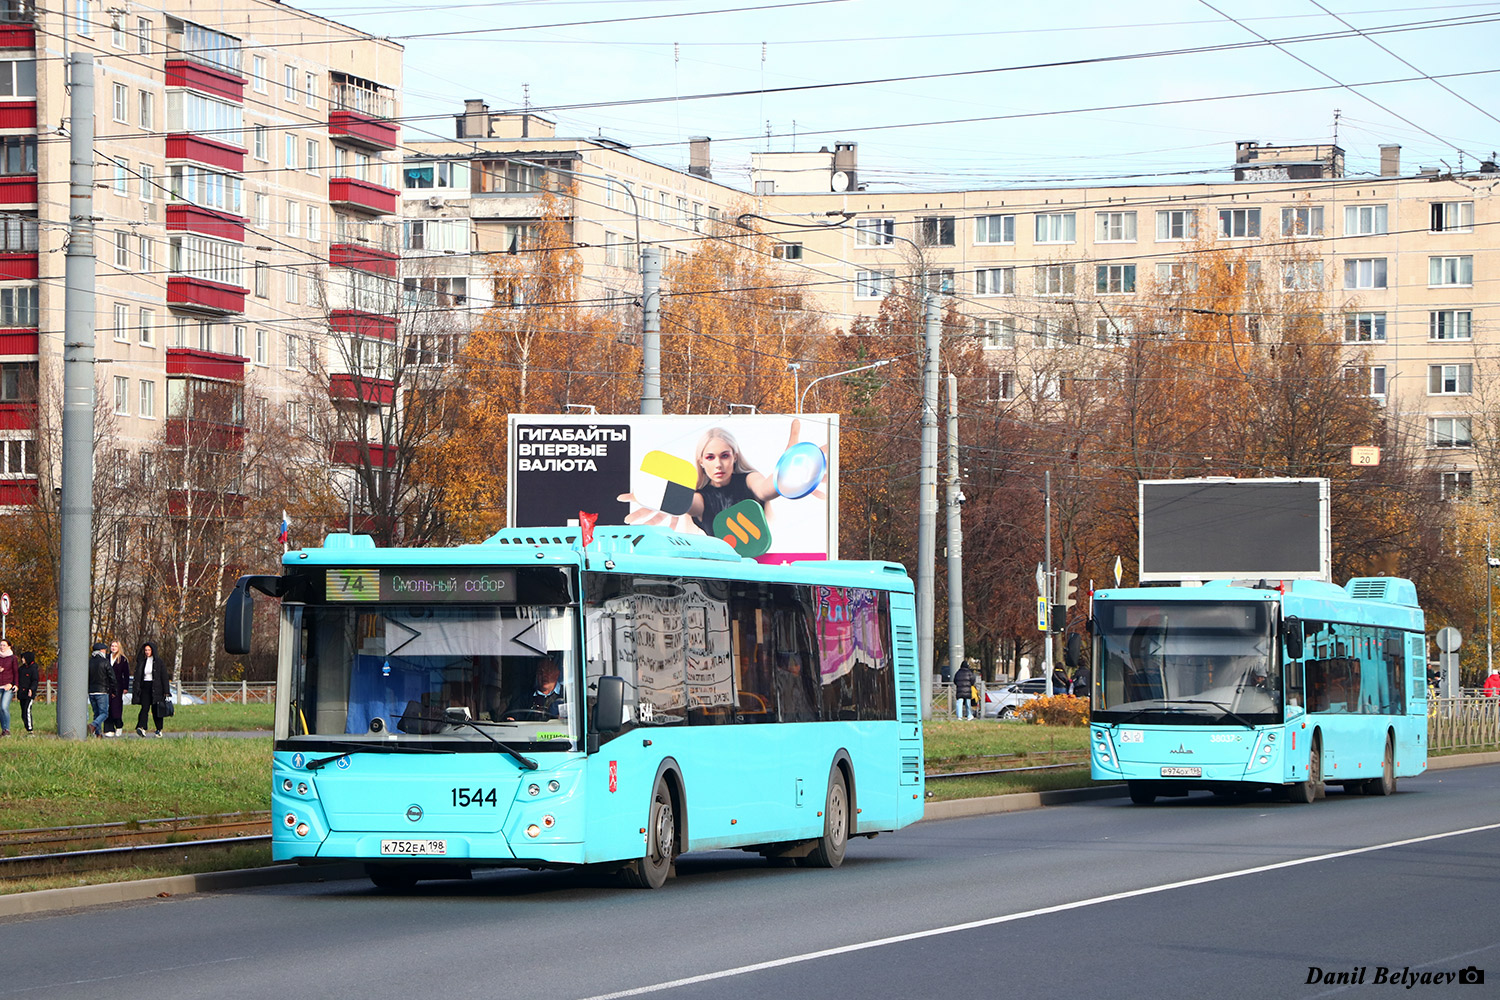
x: 955, y: 535
x: 927, y: 502
x: 1050, y: 585
x: 74, y: 628
x: 651, y: 329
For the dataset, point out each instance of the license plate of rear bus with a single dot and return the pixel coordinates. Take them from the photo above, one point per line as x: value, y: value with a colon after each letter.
x: 414, y: 847
x: 1182, y: 772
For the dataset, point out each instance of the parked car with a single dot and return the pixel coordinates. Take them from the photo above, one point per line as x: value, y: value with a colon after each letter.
x: 1001, y: 701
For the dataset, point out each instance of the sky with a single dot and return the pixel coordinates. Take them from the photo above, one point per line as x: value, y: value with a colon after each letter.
x: 1016, y: 93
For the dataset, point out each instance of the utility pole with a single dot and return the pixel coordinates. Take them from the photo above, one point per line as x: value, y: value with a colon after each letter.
x: 927, y: 499
x: 650, y: 329
x: 74, y: 629
x: 1047, y: 530
x: 955, y: 498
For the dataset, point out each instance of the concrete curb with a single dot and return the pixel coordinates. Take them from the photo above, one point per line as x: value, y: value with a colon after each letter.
x: 50, y: 900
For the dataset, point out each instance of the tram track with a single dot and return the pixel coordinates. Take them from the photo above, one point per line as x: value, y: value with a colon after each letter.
x: 99, y: 846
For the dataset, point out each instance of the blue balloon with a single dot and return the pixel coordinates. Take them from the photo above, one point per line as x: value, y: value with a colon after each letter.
x: 800, y: 470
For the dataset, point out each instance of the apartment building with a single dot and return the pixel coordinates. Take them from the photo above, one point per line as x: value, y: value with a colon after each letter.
x: 1407, y: 261
x: 246, y: 216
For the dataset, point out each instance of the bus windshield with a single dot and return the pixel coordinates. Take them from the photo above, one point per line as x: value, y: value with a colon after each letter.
x: 417, y: 674
x: 1187, y: 662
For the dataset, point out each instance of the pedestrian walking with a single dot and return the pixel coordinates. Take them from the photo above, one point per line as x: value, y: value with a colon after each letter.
x: 119, y: 664
x: 101, y: 680
x: 1081, y: 682
x: 1060, y: 682
x: 151, y: 674
x: 26, y: 687
x: 1492, y: 683
x: 10, y: 679
x: 963, y: 690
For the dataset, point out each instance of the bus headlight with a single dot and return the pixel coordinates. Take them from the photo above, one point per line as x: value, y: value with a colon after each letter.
x: 286, y: 784
x: 548, y: 821
x: 533, y: 830
x: 301, y: 829
x: 301, y: 788
x: 553, y: 785
x: 290, y: 819
x: 533, y: 789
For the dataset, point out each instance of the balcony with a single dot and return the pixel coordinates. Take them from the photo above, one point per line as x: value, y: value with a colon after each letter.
x: 17, y: 416
x: 352, y: 453
x: 19, y: 189
x: 18, y: 492
x: 193, y: 363
x: 202, y: 295
x: 18, y: 24
x: 20, y: 343
x: 18, y: 114
x: 356, y: 195
x: 353, y: 323
x: 361, y: 389
x: 183, y: 217
x: 206, y: 79
x: 363, y: 258
x: 19, y: 267
x: 206, y: 435
x: 362, y: 130
x: 209, y: 152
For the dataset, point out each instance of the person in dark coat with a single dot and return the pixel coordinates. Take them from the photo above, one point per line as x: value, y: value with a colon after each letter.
x: 963, y: 690
x: 26, y: 687
x: 120, y: 665
x: 151, y: 675
x: 101, y: 682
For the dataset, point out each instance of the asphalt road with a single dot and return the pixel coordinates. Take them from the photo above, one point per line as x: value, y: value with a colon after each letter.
x: 1188, y: 898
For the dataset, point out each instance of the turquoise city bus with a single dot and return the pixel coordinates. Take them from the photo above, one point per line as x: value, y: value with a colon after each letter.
x: 1234, y: 688
x: 524, y: 703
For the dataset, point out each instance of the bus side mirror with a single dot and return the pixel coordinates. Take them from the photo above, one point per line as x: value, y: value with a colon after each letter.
x: 239, y: 615
x: 1073, y: 650
x: 609, y: 706
x: 1291, y: 636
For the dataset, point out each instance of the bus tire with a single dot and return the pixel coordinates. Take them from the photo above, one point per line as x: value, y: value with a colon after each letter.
x: 651, y: 870
x: 1309, y: 791
x: 1141, y: 792
x: 828, y: 851
x: 1386, y: 783
x: 392, y: 878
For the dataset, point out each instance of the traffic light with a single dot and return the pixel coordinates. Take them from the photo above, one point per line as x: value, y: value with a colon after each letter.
x: 1068, y: 581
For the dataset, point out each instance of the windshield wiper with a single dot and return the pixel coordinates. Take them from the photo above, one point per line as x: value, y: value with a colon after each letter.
x: 1228, y: 712
x: 322, y: 762
x: 454, y: 719
x: 1160, y: 706
x: 1142, y: 711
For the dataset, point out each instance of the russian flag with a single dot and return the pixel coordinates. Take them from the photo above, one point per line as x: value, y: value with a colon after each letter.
x: 286, y: 529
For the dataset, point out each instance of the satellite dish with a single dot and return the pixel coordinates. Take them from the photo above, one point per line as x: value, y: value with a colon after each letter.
x: 840, y: 180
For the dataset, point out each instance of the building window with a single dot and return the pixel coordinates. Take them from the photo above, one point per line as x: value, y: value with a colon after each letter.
x: 1054, y: 279
x: 291, y: 151
x: 1056, y: 227
x: 17, y: 154
x: 940, y: 281
x: 996, y: 333
x: 873, y: 284
x: 122, y: 102
x: 258, y: 73
x: 874, y: 232
x: 1110, y: 330
x: 143, y: 36
x: 260, y: 143
x: 292, y: 211
x: 1055, y: 332
x: 1364, y: 380
x: 787, y: 251
x: 122, y: 175
x: 1176, y: 275
x: 1450, y: 324
x: 18, y: 306
x: 1114, y: 227
x: 1114, y: 279
x: 314, y: 222
x: 290, y: 81
x: 262, y: 211
x: 291, y: 350
x: 1365, y: 272
x: 239, y: 342
x: 1452, y: 216
x: 262, y: 279
x: 147, y: 322
x: 1000, y: 387
x: 122, y: 323
x: 122, y: 395
x: 1449, y: 432
x: 1364, y: 328
x: 310, y: 88
x: 1305, y: 221
x: 148, y: 254
x: 148, y: 468
x: 293, y: 285
x: 148, y: 111
x: 262, y: 338
x: 148, y: 182
x: 148, y: 398
x: 1450, y: 271
x: 1365, y: 220
x: 1302, y: 276
x: 1450, y: 380
x: 312, y: 155
x: 201, y: 257
x: 83, y: 16
x: 122, y: 249
x: 1455, y: 485
x: 206, y: 187
x: 995, y: 281
x: 994, y: 229
x: 1239, y: 223
x: 935, y: 230
x: 18, y: 233
x: 1177, y: 224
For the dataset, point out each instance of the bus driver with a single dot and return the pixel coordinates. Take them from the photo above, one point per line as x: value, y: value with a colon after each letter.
x: 541, y: 700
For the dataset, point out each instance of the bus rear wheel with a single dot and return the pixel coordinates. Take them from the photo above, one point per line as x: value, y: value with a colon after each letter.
x: 651, y: 870
x: 1386, y: 783
x: 828, y: 852
x: 1309, y: 791
x: 1141, y: 792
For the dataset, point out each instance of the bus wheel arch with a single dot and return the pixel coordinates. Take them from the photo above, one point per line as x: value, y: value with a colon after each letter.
x: 1386, y: 783
x: 665, y: 830
x: 838, y: 817
x: 1312, y: 789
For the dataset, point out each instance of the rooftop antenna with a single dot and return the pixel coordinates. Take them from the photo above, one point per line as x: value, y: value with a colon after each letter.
x: 1336, y: 113
x: 525, y: 97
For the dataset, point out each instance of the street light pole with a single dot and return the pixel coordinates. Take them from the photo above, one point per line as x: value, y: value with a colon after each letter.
x: 847, y: 371
x: 1489, y: 600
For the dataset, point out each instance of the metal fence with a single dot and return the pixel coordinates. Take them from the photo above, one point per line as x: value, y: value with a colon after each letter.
x: 1467, y: 722
x: 220, y: 692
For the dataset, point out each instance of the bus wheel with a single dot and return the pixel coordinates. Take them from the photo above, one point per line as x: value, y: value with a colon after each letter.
x: 651, y: 871
x: 1141, y: 793
x: 1311, y: 790
x: 396, y: 878
x: 1386, y: 783
x: 828, y: 852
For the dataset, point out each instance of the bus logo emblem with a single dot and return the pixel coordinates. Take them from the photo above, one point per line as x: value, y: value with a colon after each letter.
x: 413, y: 812
x: 1181, y: 749
x: 614, y: 775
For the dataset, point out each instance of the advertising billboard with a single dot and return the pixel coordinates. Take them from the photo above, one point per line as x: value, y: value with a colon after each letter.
x: 765, y: 483
x: 1235, y: 529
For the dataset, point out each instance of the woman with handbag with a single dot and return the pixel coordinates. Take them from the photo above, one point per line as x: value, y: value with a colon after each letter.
x: 151, y: 673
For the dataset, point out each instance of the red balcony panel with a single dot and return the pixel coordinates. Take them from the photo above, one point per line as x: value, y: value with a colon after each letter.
x: 362, y: 324
x: 204, y: 434
x: 363, y: 130
x: 18, y: 267
x: 17, y: 36
x: 19, y: 342
x: 210, y: 152
x: 18, y: 190
x: 363, y: 258
x: 18, y: 492
x: 196, y: 219
x: 361, y: 196
x: 18, y: 114
x: 205, y: 364
x: 17, y: 416
x: 186, y: 73
x: 381, y: 391
x: 352, y: 453
x: 200, y: 294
